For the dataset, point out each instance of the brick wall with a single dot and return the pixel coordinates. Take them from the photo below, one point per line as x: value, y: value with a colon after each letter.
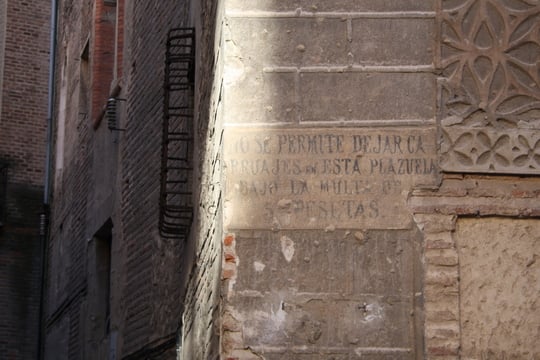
x: 201, y: 314
x: 3, y: 23
x: 24, y: 90
x: 20, y: 271
x: 106, y: 175
x: 154, y: 280
x: 103, y: 56
x: 500, y: 204
x: 24, y: 39
x: 151, y: 281
x: 119, y: 59
x: 69, y: 231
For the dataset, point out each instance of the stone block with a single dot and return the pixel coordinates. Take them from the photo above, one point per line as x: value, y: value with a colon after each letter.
x: 333, y: 6
x: 440, y: 240
x: 284, y: 356
x: 442, y: 311
x: 435, y: 223
x: 438, y: 348
x: 437, y: 291
x: 344, y: 324
x: 397, y: 354
x: 437, y: 275
x: 443, y: 331
x: 260, y: 97
x: 443, y: 257
x: 327, y: 263
x: 231, y: 341
x: 360, y: 96
x: 393, y: 41
x: 296, y: 287
x: 289, y: 41
x: 341, y: 294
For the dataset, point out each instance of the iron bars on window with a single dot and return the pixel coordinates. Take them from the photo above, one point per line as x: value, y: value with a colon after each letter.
x: 176, y: 208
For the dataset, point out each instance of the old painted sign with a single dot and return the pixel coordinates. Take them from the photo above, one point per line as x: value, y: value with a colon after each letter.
x: 317, y: 178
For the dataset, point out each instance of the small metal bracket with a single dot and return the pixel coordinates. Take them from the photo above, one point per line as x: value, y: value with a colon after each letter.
x: 111, y: 113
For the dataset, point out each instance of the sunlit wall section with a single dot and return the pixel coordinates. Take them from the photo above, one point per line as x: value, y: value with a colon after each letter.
x: 329, y: 112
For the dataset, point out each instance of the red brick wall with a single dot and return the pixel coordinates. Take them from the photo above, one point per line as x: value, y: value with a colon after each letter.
x: 22, y: 146
x: 24, y: 94
x: 201, y: 316
x: 67, y: 243
x: 151, y: 291
x: 150, y: 273
x: 103, y: 53
x: 120, y: 38
x: 116, y: 175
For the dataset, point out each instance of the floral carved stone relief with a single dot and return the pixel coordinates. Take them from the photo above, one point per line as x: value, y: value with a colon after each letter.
x: 490, y: 86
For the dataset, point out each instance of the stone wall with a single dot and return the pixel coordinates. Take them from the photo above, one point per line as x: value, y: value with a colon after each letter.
x: 329, y: 112
x: 342, y: 121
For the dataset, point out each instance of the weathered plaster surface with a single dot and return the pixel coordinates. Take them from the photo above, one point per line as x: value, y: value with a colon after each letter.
x: 499, y: 287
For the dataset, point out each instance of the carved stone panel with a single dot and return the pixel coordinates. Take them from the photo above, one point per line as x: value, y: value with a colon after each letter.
x: 489, y: 150
x: 490, y: 86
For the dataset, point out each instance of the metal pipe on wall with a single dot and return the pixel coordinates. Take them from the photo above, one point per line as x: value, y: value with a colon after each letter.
x: 44, y: 217
x: 50, y: 101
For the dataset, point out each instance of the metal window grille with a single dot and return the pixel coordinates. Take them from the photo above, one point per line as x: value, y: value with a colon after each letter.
x: 176, y: 209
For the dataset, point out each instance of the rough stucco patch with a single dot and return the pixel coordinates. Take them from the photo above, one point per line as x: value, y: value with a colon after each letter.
x: 500, y: 287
